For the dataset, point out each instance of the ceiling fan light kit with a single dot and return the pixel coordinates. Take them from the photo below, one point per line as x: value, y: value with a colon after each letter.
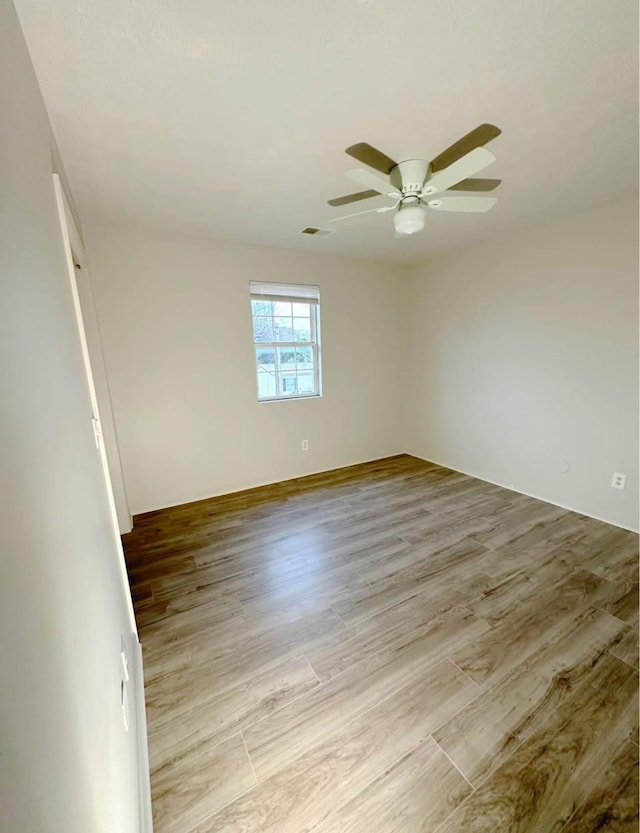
x: 412, y: 182
x: 410, y: 217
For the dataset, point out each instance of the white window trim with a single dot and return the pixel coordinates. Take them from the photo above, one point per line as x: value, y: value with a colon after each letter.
x: 314, y: 343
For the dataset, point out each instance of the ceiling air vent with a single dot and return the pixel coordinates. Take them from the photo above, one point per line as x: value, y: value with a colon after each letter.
x: 319, y: 232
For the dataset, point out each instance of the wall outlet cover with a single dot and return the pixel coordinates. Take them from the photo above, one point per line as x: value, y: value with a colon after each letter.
x: 619, y: 480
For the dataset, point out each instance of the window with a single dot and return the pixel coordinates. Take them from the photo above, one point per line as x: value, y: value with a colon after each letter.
x: 286, y: 339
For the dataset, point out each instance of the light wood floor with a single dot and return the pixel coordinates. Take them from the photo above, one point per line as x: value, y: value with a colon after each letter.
x: 388, y: 648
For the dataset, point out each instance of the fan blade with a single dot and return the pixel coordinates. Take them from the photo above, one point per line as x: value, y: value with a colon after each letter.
x: 475, y: 204
x: 474, y: 161
x: 372, y: 157
x: 382, y: 186
x: 476, y: 185
x: 382, y: 210
x: 361, y: 195
x: 478, y: 137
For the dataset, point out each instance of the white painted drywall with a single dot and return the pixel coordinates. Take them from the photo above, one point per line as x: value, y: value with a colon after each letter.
x: 511, y: 361
x: 66, y: 762
x: 526, y: 361
x: 175, y: 319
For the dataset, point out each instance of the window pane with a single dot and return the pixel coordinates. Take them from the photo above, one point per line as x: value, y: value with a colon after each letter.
x: 262, y: 329
x: 302, y: 329
x: 305, y: 383
x: 288, y: 384
x: 283, y: 330
x: 266, y: 358
x: 261, y: 307
x: 304, y: 357
x: 266, y: 384
x: 287, y: 358
x: 282, y: 308
x: 303, y: 310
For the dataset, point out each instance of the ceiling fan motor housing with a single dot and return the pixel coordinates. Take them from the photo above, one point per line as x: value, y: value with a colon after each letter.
x: 409, y: 176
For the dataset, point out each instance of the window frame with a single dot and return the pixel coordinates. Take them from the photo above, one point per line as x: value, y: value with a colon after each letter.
x: 313, y: 301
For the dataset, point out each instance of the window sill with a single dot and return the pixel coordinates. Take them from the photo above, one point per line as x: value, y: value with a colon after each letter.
x: 289, y: 398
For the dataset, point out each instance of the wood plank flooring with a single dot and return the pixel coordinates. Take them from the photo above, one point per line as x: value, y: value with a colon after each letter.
x: 392, y: 647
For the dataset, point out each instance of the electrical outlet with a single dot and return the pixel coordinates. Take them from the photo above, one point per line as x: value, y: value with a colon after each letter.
x: 619, y: 480
x: 304, y: 445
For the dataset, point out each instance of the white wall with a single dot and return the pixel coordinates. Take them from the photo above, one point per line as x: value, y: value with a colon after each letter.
x: 527, y: 356
x: 175, y: 319
x: 510, y: 361
x: 66, y: 763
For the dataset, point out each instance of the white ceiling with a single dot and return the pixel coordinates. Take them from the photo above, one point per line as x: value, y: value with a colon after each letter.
x: 229, y: 118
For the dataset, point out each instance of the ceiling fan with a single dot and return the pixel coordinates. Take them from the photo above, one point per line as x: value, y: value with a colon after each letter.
x: 414, y: 183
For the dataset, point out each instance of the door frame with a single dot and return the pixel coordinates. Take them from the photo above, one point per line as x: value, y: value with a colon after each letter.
x: 76, y: 260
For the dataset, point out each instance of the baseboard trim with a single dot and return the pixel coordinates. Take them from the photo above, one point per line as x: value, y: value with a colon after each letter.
x: 262, y: 485
x: 521, y: 492
x: 301, y: 478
